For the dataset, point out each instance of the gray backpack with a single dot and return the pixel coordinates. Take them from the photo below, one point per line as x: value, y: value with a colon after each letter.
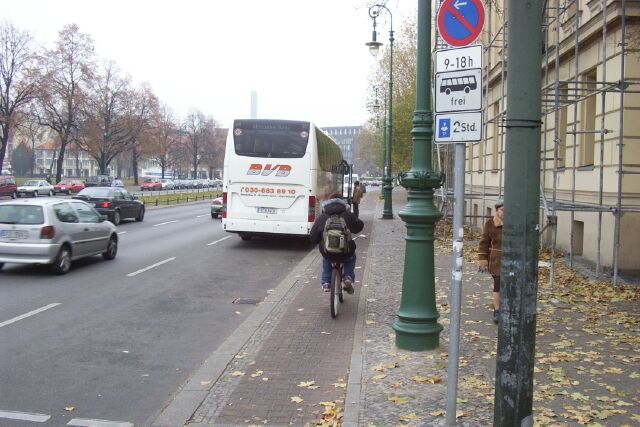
x: 336, y: 235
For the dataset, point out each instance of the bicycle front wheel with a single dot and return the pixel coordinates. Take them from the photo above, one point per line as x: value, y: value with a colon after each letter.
x: 336, y: 288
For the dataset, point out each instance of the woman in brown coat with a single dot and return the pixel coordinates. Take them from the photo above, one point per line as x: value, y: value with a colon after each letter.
x: 490, y: 253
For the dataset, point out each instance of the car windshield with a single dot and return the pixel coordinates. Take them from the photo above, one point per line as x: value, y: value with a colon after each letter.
x: 95, y: 192
x: 150, y: 180
x: 31, y: 183
x: 21, y: 214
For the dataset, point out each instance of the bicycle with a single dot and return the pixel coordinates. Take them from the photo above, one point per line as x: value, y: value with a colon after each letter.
x: 336, y: 295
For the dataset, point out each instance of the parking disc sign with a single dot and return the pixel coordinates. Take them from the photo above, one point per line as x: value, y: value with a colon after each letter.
x: 458, y: 91
x: 459, y: 127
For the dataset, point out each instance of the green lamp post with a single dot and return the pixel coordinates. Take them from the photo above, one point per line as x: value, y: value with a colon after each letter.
x: 374, y: 47
x: 417, y: 327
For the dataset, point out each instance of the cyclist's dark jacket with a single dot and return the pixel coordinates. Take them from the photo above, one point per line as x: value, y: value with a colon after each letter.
x: 332, y: 207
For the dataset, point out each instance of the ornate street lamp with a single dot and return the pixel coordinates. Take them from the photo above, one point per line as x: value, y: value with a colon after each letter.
x: 374, y: 47
x: 417, y: 326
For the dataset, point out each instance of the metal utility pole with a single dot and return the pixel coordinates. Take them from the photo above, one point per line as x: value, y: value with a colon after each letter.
x: 520, y: 244
x: 417, y: 327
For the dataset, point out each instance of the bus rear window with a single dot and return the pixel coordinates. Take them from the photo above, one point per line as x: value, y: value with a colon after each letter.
x: 270, y: 138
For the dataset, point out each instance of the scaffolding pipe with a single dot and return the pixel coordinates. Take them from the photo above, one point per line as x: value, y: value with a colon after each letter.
x: 602, y: 124
x: 616, y: 251
x: 556, y: 139
x: 575, y: 140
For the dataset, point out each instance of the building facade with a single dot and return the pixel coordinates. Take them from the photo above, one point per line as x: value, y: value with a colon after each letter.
x: 590, y: 139
x: 347, y: 138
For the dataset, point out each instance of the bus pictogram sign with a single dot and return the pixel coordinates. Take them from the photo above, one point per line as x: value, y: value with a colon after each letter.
x: 460, y: 21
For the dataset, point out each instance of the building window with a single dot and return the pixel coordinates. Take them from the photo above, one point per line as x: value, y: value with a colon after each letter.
x: 577, y: 245
x: 588, y: 119
x: 562, y: 125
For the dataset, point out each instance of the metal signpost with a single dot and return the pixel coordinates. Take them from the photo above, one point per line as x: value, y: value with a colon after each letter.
x: 458, y: 118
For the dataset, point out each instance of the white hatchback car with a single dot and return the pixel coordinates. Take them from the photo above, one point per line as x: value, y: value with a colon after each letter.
x: 55, y: 232
x: 35, y: 188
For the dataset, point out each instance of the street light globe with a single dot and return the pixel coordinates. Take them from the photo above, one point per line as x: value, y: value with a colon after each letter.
x: 374, y: 47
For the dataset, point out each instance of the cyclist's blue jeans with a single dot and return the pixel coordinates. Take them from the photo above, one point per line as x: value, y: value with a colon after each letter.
x: 349, y: 269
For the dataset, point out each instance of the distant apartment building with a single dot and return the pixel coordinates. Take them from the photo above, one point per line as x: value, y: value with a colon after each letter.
x: 77, y: 162
x: 347, y: 138
x: 590, y: 134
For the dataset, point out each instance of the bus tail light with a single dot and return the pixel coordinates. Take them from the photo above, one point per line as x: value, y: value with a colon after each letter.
x: 47, y: 232
x: 224, y: 204
x: 312, y: 209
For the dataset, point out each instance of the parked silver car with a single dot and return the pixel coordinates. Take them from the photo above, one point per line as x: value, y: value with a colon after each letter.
x: 35, y: 188
x: 53, y: 231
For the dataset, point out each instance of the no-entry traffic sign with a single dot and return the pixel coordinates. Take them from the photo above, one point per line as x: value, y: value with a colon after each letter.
x: 460, y: 21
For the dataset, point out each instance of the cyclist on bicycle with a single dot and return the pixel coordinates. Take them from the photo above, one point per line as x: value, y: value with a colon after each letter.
x: 336, y: 206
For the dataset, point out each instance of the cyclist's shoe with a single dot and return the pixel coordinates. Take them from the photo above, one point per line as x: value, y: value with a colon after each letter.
x: 347, y: 284
x: 326, y: 287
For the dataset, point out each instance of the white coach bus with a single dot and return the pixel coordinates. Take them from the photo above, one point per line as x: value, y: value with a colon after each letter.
x: 276, y: 174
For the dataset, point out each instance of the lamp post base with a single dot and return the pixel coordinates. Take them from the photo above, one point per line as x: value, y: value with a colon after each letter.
x: 387, y: 210
x: 414, y: 336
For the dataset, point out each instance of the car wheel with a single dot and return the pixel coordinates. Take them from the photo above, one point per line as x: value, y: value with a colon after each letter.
x: 35, y: 194
x: 51, y: 193
x: 245, y: 236
x: 112, y: 249
x: 1, y: 265
x: 62, y: 263
x: 14, y: 195
x: 140, y: 217
x: 214, y: 215
x: 116, y: 218
x: 68, y: 192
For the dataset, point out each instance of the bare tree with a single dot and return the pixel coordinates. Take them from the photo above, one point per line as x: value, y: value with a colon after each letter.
x: 31, y: 130
x: 68, y: 71
x: 200, y: 131
x: 146, y: 105
x: 162, y: 138
x: 113, y: 117
x: 17, y: 79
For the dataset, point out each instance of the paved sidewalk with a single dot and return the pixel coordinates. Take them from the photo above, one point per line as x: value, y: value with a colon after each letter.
x: 291, y: 364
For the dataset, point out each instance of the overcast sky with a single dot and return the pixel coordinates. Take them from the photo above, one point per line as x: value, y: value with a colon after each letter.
x: 305, y: 59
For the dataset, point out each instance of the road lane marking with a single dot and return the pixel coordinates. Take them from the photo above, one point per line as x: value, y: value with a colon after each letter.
x: 122, y: 232
x: 200, y: 216
x: 142, y: 270
x: 24, y: 416
x: 165, y: 223
x: 219, y: 240
x: 31, y: 313
x: 85, y: 422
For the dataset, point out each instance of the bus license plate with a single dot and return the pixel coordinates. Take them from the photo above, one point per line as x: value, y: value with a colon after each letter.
x: 267, y: 210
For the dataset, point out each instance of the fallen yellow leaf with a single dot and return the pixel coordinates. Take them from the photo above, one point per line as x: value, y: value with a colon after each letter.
x: 297, y: 399
x: 410, y: 417
x: 306, y: 383
x: 399, y: 400
x: 237, y: 374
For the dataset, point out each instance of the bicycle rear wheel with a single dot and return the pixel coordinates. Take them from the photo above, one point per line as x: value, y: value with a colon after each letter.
x: 336, y: 289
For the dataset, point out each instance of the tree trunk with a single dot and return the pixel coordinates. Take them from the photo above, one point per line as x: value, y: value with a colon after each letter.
x: 134, y: 164
x: 60, y: 162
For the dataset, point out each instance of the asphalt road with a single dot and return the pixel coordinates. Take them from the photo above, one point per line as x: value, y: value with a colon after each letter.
x: 113, y: 340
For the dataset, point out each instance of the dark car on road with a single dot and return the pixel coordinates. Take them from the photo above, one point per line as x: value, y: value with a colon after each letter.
x: 98, y: 181
x: 116, y: 203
